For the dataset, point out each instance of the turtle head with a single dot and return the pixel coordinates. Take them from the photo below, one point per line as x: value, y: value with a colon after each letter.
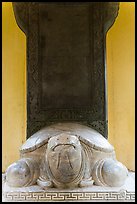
x: 64, y: 159
x: 63, y: 140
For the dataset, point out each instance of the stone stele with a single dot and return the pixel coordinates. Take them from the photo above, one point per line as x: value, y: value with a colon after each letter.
x: 66, y: 155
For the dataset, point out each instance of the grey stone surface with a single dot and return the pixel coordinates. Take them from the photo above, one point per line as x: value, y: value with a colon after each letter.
x: 112, y: 193
x: 66, y: 155
x: 86, y: 134
x: 129, y: 186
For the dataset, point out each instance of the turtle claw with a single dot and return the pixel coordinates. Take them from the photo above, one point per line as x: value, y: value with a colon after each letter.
x: 86, y: 182
x: 45, y: 184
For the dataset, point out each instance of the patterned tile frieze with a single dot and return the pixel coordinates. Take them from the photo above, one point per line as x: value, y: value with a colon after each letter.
x: 68, y: 196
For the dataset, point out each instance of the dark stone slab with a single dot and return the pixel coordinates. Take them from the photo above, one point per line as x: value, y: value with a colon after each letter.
x: 66, y: 70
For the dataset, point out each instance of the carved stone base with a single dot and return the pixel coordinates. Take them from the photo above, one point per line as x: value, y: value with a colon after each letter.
x: 95, y: 193
x: 66, y: 156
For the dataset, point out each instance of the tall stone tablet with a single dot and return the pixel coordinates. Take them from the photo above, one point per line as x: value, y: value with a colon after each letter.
x: 66, y: 69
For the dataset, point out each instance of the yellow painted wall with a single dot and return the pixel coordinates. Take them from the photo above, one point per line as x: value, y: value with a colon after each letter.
x: 120, y: 72
x: 121, y: 84
x: 13, y: 86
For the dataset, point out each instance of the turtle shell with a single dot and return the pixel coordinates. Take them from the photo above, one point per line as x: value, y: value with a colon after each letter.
x: 85, y: 134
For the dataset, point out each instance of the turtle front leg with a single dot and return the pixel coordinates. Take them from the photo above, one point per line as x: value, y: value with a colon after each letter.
x: 22, y: 173
x: 87, y: 179
x: 109, y: 172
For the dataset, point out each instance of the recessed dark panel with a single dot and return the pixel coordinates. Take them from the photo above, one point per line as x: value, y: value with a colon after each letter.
x: 64, y: 35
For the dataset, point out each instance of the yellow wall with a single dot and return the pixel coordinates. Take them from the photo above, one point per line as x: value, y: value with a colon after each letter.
x: 13, y: 86
x: 120, y: 61
x: 121, y: 84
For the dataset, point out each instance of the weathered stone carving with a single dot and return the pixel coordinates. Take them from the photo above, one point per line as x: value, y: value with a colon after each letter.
x: 66, y: 155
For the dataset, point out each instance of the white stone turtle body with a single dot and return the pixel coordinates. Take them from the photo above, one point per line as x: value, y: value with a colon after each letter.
x: 66, y: 155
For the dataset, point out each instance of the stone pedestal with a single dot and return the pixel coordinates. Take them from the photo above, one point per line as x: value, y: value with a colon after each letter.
x: 125, y: 193
x: 65, y: 158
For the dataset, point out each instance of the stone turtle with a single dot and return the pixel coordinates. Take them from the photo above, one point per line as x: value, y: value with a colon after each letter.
x: 66, y: 155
